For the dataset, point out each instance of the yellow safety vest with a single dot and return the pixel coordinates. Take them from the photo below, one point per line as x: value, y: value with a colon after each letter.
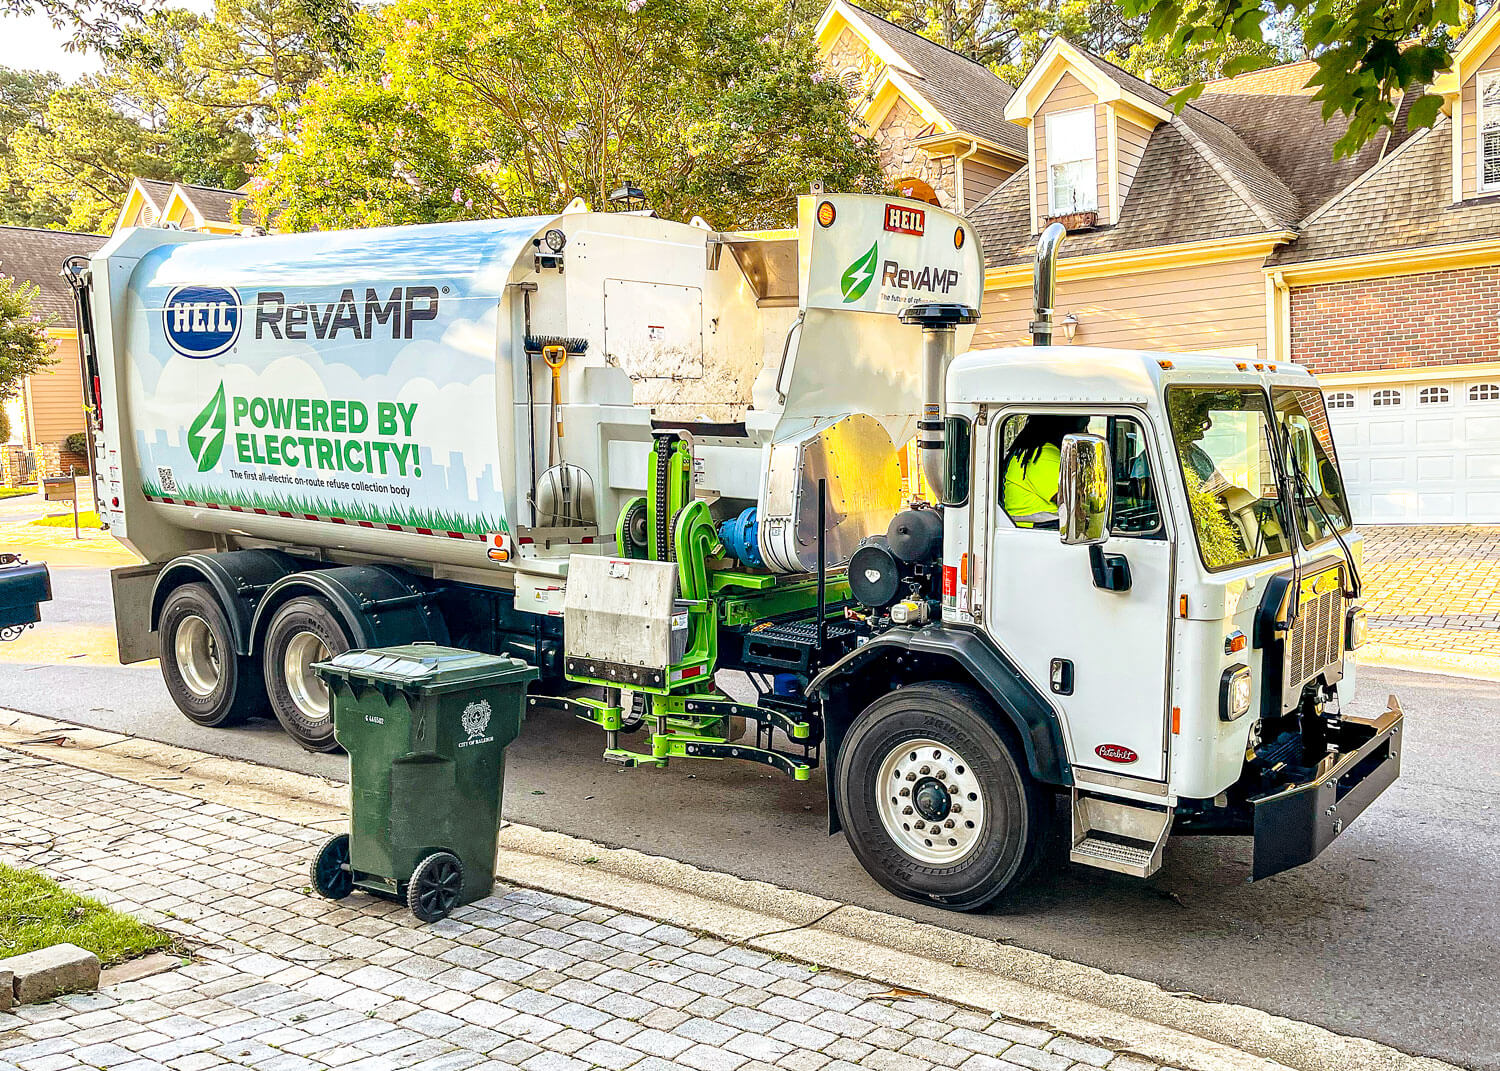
x: 1031, y: 489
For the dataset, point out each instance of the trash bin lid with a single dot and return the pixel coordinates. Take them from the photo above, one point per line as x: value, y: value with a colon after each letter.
x: 426, y: 668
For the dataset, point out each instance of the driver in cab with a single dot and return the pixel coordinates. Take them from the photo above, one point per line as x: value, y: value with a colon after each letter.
x: 1033, y: 469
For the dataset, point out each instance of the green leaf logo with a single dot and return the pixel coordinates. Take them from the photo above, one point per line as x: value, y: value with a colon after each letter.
x: 206, y: 436
x: 858, y: 275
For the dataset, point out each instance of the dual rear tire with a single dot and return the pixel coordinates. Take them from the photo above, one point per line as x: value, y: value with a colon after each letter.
x: 215, y: 687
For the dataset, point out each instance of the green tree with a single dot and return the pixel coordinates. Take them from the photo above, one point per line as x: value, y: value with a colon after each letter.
x: 475, y: 108
x: 25, y: 348
x: 23, y: 99
x: 1369, y: 54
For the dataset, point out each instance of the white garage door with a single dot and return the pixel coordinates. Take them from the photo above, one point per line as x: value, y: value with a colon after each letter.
x: 1424, y: 452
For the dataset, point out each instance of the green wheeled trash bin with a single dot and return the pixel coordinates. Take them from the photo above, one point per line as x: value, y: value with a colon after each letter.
x: 426, y: 729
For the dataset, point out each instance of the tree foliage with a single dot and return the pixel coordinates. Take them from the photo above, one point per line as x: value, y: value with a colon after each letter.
x: 1369, y: 53
x: 462, y: 109
x: 25, y: 348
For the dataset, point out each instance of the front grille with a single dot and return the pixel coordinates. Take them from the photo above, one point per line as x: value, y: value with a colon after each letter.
x: 1316, y: 641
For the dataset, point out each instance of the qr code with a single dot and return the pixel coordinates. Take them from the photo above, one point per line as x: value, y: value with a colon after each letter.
x: 166, y: 479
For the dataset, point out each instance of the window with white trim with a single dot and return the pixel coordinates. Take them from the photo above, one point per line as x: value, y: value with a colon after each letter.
x: 1072, y: 175
x: 1489, y: 131
x: 1484, y: 392
x: 1340, y: 399
x: 1432, y: 396
x: 1386, y: 397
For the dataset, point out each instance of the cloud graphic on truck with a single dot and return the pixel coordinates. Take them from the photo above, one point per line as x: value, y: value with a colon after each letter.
x: 206, y: 435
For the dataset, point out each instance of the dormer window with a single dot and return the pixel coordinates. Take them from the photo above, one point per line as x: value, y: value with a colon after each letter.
x: 1072, y: 176
x: 1489, y: 131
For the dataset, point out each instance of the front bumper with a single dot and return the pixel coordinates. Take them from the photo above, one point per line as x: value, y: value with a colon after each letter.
x: 1294, y: 824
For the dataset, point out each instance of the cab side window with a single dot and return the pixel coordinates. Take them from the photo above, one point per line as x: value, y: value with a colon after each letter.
x: 1030, y: 450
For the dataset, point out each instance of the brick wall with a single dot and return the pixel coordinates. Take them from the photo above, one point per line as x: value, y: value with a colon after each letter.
x: 1406, y: 321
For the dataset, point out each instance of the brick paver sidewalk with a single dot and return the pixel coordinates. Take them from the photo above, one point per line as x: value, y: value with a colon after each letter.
x: 1434, y: 587
x: 283, y: 981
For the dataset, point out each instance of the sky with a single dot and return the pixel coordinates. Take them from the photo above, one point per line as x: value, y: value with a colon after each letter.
x: 30, y: 42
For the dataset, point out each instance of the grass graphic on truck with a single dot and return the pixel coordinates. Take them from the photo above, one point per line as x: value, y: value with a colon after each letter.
x: 477, y: 524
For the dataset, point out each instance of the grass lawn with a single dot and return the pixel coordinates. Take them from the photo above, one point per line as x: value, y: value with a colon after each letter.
x: 36, y: 912
x: 16, y: 492
x: 86, y: 519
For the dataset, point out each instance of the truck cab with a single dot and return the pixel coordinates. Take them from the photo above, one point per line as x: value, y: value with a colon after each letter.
x: 1173, y: 651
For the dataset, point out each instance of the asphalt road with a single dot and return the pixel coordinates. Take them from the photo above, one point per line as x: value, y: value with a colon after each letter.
x: 1393, y: 934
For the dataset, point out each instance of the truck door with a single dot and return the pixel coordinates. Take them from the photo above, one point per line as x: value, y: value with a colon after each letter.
x: 1101, y: 656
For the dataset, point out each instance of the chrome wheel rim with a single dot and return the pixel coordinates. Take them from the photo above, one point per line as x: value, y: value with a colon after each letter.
x: 197, y: 654
x: 930, y: 802
x: 309, y: 693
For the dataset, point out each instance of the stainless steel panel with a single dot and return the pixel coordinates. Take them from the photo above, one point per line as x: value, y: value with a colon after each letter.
x: 620, y: 610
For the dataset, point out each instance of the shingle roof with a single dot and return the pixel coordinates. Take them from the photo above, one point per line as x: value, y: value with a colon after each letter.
x: 1197, y: 180
x: 215, y: 204
x: 36, y: 256
x: 1181, y: 193
x: 970, y: 95
x: 158, y: 190
x: 1406, y: 202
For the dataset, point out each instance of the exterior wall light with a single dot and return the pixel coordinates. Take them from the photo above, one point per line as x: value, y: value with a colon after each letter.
x: 1069, y: 325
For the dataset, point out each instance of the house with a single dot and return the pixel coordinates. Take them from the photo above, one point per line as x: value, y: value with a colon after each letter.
x: 49, y: 406
x: 1228, y: 226
x: 936, y: 117
x: 153, y: 203
x: 1391, y: 294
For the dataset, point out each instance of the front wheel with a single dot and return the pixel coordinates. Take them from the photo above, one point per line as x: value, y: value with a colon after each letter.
x: 302, y: 632
x: 935, y: 802
x: 435, y: 886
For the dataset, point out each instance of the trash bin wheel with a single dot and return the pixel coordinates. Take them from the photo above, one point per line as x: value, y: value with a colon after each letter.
x: 331, y: 875
x: 435, y: 886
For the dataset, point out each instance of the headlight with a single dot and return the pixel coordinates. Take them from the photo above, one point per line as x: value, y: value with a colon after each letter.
x: 1234, y: 692
x: 1357, y: 630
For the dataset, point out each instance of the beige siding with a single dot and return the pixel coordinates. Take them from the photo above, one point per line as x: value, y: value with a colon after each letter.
x: 1215, y: 307
x: 1130, y: 146
x: 1069, y: 93
x: 1470, y: 108
x: 981, y: 178
x: 54, y: 399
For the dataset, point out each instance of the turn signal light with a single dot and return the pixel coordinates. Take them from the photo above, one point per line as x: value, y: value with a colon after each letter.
x: 1235, y: 642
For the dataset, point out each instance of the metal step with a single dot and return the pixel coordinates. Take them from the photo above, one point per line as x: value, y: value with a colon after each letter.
x: 1119, y: 835
x: 1113, y: 855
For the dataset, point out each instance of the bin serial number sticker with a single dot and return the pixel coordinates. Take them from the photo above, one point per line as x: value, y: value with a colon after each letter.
x: 374, y: 720
x: 475, y: 720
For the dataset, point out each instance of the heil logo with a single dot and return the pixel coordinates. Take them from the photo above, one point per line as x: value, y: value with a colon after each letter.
x: 202, y: 321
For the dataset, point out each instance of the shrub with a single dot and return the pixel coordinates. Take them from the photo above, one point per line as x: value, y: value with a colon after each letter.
x: 77, y: 443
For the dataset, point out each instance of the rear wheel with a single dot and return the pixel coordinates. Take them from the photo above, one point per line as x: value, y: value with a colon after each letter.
x: 303, y: 631
x: 210, y: 684
x: 935, y: 801
x: 330, y: 872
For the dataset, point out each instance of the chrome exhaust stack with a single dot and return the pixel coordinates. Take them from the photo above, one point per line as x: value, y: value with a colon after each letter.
x: 939, y: 323
x: 1044, y: 283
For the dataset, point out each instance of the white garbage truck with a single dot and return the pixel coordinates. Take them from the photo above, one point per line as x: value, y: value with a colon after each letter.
x: 742, y: 496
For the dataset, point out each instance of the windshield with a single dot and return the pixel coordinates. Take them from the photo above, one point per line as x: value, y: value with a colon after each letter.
x: 1222, y: 437
x: 1321, y: 505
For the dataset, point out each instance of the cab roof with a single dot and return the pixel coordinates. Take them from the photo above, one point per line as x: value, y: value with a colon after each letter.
x: 1100, y: 375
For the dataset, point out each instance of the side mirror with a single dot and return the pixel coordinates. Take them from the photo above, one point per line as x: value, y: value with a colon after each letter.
x: 1086, y: 492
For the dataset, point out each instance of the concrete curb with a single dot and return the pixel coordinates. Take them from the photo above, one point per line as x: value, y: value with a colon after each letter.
x: 1417, y: 660
x: 1180, y: 1030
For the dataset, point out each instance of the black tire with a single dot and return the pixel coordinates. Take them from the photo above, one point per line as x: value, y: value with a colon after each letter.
x: 435, y: 886
x: 304, y: 616
x: 193, y: 620
x: 1000, y: 848
x: 331, y: 876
